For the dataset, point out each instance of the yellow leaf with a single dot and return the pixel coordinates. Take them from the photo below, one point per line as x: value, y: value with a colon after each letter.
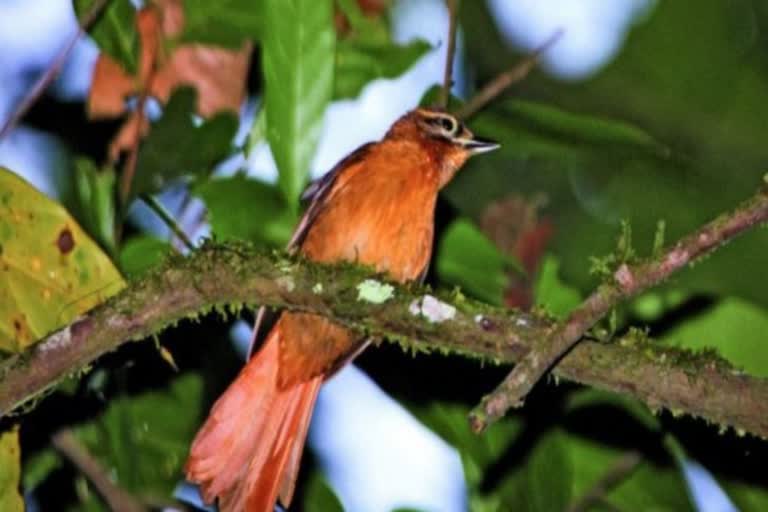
x: 10, y: 471
x: 50, y: 269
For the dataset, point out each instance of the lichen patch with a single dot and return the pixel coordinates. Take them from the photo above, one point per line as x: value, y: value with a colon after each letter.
x: 374, y: 291
x: 433, y: 309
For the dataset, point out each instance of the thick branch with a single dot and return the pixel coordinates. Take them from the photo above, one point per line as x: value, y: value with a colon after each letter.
x: 215, y: 276
x: 628, y: 281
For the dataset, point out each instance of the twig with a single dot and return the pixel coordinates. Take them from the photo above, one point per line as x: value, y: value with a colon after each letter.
x: 129, y: 169
x: 53, y: 70
x: 117, y: 498
x: 445, y: 92
x: 505, y: 79
x: 168, y: 220
x: 628, y: 281
x: 617, y: 473
x: 235, y: 275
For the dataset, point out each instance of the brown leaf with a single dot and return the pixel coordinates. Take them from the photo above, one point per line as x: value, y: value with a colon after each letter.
x: 218, y: 74
x: 515, y: 226
x: 110, y: 88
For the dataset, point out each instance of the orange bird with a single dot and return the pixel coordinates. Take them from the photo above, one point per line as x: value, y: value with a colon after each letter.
x: 375, y: 207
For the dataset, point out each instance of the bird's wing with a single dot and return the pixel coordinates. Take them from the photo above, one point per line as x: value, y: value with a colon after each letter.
x: 315, y: 193
x: 318, y: 190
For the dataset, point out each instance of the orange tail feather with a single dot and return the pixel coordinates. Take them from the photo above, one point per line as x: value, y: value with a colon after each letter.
x: 248, y: 450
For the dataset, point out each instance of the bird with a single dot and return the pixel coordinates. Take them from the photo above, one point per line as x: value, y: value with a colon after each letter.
x: 375, y: 207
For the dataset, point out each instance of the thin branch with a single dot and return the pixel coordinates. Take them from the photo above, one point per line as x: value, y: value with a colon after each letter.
x: 168, y: 220
x: 129, y: 169
x: 506, y: 79
x: 214, y: 276
x: 54, y: 69
x: 628, y: 281
x: 445, y: 92
x: 117, y: 498
x: 616, y: 474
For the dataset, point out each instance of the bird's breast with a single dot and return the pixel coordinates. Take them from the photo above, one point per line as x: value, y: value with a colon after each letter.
x: 378, y: 219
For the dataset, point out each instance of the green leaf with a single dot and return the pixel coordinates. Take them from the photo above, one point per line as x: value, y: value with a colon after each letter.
x: 733, y: 327
x: 95, y: 191
x: 586, y: 398
x: 467, y: 258
x: 114, y: 32
x: 140, y: 254
x: 550, y: 473
x: 551, y: 292
x: 298, y: 58
x: 144, y: 449
x: 245, y: 209
x: 532, y: 129
x: 748, y: 497
x: 10, y: 471
x: 477, y: 453
x: 179, y: 146
x: 225, y: 23
x: 50, y: 270
x: 358, y: 63
x: 320, y: 497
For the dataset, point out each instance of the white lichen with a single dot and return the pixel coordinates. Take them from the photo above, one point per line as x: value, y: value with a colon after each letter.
x: 286, y: 283
x: 434, y: 310
x: 57, y: 340
x: 374, y: 291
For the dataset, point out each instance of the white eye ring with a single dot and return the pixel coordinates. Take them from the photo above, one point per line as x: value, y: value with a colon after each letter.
x: 448, y: 124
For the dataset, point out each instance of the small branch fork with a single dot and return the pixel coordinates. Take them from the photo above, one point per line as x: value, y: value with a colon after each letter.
x: 218, y: 275
x: 628, y: 281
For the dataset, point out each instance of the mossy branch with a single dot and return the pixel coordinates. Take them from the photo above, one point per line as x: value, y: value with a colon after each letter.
x: 233, y: 276
x: 630, y: 279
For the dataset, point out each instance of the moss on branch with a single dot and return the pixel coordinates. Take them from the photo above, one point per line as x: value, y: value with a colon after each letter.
x: 234, y: 276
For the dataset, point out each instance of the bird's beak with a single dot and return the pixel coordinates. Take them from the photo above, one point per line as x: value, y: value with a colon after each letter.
x: 477, y: 145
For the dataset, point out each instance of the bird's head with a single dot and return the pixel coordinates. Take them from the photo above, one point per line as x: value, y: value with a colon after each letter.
x: 444, y: 136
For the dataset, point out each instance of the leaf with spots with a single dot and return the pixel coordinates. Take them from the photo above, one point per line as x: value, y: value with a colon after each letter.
x: 50, y: 270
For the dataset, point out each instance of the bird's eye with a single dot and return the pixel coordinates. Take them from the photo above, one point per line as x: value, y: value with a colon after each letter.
x: 448, y: 124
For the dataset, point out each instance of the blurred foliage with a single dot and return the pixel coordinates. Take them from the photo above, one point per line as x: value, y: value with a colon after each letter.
x: 141, y: 253
x: 736, y: 328
x: 671, y: 131
x: 114, y: 30
x: 227, y: 23
x: 262, y: 216
x: 95, y: 197
x: 482, y: 271
x: 164, y: 155
x: 552, y: 294
x: 320, y: 497
x: 10, y: 471
x: 367, y: 52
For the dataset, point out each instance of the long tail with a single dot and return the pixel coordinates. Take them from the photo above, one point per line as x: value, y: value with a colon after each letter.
x: 248, y: 451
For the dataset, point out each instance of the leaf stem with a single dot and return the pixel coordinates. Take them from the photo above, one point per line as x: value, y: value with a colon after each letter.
x: 168, y: 220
